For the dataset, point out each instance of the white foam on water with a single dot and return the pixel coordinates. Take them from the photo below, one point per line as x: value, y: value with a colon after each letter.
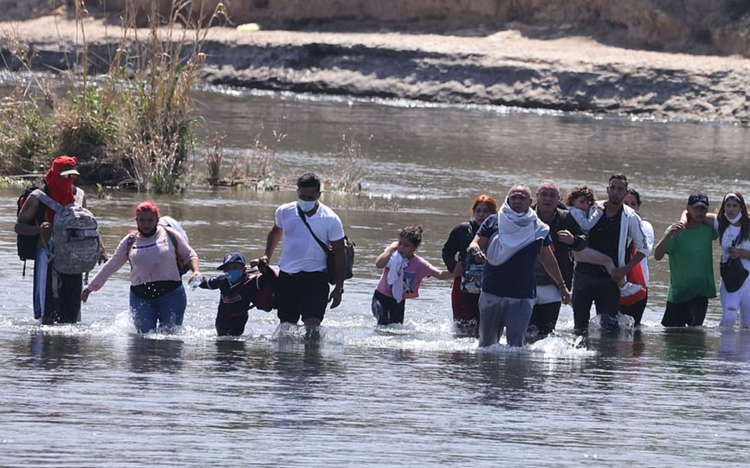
x: 625, y: 322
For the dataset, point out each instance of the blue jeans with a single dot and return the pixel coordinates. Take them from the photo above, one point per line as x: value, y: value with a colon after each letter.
x: 168, y: 309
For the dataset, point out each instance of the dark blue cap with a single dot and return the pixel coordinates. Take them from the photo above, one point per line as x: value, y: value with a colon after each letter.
x: 232, y: 257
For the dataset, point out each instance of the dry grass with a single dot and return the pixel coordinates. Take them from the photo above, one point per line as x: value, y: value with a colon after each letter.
x: 350, y: 165
x: 139, y: 115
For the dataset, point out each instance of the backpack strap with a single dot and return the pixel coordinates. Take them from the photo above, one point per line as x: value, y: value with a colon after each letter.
x: 173, y: 237
x: 47, y: 200
x: 320, y: 242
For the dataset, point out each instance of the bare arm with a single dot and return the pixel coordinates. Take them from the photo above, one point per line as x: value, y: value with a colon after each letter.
x: 272, y: 240
x: 382, y: 260
x: 661, y: 247
x: 619, y: 273
x: 444, y: 275
x: 25, y: 223
x: 339, y: 250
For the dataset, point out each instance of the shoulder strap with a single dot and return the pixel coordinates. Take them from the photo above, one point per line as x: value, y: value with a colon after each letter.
x: 47, y: 200
x: 131, y: 239
x: 320, y: 243
x: 172, y: 237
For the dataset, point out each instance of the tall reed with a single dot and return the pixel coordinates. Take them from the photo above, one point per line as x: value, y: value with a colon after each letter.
x: 138, y: 116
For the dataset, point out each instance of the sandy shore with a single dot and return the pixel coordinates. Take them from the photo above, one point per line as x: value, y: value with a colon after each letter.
x: 505, y: 68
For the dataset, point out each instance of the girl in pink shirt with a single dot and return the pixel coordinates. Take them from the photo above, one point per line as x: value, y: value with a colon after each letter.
x: 403, y: 273
x: 155, y: 254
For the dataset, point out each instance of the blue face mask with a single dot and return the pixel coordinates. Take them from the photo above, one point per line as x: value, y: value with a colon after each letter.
x: 306, y: 206
x: 234, y: 275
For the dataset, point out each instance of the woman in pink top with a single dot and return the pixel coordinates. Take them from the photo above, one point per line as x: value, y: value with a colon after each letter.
x: 404, y: 271
x: 156, y: 254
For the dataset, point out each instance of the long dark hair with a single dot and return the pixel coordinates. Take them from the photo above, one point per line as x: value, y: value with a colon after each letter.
x: 744, y: 220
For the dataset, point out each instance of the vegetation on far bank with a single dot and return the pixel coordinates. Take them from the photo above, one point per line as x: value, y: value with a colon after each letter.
x: 130, y: 118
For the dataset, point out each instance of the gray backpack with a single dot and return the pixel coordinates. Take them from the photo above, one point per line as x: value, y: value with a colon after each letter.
x: 75, y: 246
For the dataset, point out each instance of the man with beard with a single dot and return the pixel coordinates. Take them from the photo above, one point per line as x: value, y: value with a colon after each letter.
x: 611, y: 235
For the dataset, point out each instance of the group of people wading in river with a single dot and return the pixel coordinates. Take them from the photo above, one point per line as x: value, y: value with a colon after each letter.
x: 512, y: 266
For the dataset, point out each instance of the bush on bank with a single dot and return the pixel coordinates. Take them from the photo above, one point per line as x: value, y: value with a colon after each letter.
x: 131, y: 126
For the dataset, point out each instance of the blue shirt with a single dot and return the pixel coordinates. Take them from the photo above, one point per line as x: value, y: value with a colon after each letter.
x: 514, y: 278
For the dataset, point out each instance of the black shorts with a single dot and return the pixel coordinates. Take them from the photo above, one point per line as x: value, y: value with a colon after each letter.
x: 685, y: 314
x: 387, y: 310
x: 301, y: 295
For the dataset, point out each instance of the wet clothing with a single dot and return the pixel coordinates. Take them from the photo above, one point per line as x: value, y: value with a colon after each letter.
x: 57, y: 296
x: 734, y: 304
x: 544, y: 318
x: 635, y: 310
x: 166, y: 311
x: 156, y: 291
x: 589, y: 289
x: 236, y: 300
x: 301, y: 295
x: 302, y: 288
x: 547, y: 304
x: 690, y: 313
x: 386, y: 310
x: 510, y: 313
x: 509, y: 289
x: 612, y: 236
x: 465, y: 305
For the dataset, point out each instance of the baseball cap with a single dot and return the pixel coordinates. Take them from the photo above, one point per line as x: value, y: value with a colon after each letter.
x: 232, y: 257
x: 65, y: 165
x: 698, y: 199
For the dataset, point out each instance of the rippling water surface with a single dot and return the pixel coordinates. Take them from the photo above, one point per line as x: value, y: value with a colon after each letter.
x: 96, y: 394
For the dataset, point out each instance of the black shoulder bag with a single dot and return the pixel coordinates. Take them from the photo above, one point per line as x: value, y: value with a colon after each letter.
x: 732, y: 272
x: 330, y: 256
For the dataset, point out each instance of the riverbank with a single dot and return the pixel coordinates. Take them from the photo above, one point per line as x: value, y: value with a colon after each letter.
x: 502, y: 68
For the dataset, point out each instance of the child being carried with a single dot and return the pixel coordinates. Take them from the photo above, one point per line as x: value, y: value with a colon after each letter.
x: 581, y: 202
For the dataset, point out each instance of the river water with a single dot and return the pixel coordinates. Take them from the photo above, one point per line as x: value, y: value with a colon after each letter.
x: 96, y: 394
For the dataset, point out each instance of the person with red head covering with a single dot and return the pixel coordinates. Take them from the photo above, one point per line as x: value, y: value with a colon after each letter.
x: 56, y: 295
x: 156, y: 254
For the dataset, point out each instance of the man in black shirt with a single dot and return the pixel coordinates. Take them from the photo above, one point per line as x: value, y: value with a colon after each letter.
x: 567, y: 237
x: 616, y: 228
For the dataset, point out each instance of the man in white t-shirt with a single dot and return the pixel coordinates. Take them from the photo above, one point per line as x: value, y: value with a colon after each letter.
x: 302, y: 287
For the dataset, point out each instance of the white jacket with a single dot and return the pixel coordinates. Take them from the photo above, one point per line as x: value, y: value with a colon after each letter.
x: 630, y: 231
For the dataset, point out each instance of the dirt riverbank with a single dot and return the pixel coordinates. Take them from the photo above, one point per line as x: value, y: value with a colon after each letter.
x: 503, y: 68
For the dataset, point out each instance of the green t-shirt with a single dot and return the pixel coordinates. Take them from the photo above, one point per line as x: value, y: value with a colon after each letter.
x: 691, y: 264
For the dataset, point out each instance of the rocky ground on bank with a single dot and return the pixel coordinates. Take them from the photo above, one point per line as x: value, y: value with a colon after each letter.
x: 469, y: 66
